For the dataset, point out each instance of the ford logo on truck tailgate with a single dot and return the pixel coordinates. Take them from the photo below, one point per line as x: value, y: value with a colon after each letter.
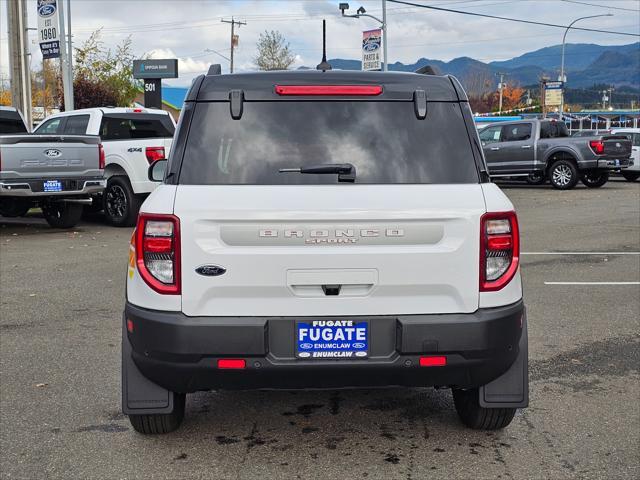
x: 211, y: 270
x: 52, y: 153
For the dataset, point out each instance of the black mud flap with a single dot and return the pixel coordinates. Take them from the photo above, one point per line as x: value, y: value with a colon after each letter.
x: 511, y: 389
x: 140, y: 396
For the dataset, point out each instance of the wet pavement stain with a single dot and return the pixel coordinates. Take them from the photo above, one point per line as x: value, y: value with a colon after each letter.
x: 392, y: 458
x: 615, y: 357
x: 222, y: 440
x: 107, y: 428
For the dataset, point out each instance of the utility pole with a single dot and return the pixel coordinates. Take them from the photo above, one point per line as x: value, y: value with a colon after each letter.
x: 19, y: 58
x: 384, y: 33
x: 500, y: 87
x: 611, y: 96
x: 67, y: 79
x: 70, y: 52
x: 604, y: 99
x: 234, y: 38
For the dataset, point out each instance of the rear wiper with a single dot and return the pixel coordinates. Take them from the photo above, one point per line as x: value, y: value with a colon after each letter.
x: 345, y: 171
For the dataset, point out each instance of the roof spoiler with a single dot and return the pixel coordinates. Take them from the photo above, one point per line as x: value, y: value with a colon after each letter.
x: 426, y: 70
x: 215, y: 69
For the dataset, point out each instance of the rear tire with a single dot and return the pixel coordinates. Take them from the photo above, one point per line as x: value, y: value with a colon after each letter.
x: 563, y: 175
x: 536, y: 178
x: 595, y: 179
x: 479, y: 418
x: 154, y: 424
x: 14, y: 207
x: 630, y: 176
x: 62, y: 214
x: 120, y: 204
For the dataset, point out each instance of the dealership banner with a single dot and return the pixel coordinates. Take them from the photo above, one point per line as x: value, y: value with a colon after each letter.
x: 371, y: 47
x: 48, y: 32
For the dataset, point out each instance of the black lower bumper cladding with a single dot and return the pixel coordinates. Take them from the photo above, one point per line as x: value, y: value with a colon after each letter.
x: 168, y: 351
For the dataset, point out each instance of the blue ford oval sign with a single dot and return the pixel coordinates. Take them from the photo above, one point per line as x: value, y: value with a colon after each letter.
x: 46, y: 9
x: 211, y: 270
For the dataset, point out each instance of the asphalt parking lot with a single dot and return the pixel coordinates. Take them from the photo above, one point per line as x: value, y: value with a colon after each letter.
x: 62, y: 294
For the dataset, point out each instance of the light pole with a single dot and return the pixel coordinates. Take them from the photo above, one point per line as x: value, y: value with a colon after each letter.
x: 564, y: 38
x: 361, y: 12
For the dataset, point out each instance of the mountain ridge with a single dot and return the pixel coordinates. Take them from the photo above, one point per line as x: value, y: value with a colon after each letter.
x: 586, y: 64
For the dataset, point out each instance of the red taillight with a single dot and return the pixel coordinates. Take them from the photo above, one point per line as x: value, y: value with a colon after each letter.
x: 129, y: 325
x: 101, y: 158
x: 499, y: 250
x: 154, y: 153
x: 232, y: 363
x: 597, y: 146
x: 433, y: 361
x: 329, y: 90
x: 138, y: 110
x: 158, y: 252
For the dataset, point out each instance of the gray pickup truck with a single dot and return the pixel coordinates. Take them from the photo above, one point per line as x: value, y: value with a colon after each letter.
x: 542, y: 149
x: 58, y: 173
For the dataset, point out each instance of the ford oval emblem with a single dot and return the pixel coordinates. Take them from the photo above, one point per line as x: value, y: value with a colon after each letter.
x: 52, y: 153
x: 370, y: 47
x: 211, y: 270
x: 306, y: 346
x: 46, y: 10
x: 358, y: 345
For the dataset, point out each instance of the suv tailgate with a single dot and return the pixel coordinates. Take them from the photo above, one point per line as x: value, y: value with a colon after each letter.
x: 392, y: 249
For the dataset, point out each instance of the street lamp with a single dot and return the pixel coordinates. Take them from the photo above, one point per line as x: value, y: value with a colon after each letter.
x: 361, y: 12
x: 564, y: 37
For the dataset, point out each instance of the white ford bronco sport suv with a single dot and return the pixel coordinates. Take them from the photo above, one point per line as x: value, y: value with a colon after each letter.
x: 324, y: 229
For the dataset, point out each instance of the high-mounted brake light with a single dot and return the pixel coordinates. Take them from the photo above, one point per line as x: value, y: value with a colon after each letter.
x: 597, y: 146
x: 154, y: 153
x: 329, y: 90
x: 101, y: 157
x: 499, y: 250
x: 158, y: 252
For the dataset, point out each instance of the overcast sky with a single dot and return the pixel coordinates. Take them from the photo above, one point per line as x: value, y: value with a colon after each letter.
x: 184, y: 29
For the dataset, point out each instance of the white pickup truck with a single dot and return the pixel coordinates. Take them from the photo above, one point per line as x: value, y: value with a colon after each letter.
x: 132, y: 139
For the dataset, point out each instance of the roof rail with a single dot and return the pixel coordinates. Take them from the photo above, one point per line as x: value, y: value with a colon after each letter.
x: 215, y: 69
x: 426, y: 70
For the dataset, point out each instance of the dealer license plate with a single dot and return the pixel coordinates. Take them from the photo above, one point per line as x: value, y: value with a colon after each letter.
x: 52, y: 186
x: 341, y: 339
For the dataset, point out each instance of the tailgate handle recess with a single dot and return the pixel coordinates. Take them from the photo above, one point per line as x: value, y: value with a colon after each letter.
x: 331, y: 290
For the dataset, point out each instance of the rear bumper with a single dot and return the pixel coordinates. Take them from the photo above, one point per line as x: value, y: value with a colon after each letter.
x: 33, y: 188
x: 606, y: 163
x: 180, y: 353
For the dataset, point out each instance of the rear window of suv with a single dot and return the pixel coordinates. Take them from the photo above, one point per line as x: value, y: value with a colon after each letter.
x: 383, y: 140
x: 129, y: 126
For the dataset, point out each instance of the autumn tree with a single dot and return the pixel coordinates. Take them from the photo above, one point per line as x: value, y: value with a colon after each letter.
x: 273, y: 52
x: 512, y: 97
x: 103, y: 77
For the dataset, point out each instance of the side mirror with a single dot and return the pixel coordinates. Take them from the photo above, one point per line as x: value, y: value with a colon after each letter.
x: 157, y: 169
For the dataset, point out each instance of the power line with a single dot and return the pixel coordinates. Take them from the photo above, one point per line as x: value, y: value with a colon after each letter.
x: 496, y: 17
x: 602, y: 6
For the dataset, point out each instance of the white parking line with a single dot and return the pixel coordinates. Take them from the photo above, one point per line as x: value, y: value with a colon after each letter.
x: 580, y: 253
x: 592, y: 283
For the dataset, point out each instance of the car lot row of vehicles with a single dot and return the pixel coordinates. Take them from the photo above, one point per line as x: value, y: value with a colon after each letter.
x: 53, y: 168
